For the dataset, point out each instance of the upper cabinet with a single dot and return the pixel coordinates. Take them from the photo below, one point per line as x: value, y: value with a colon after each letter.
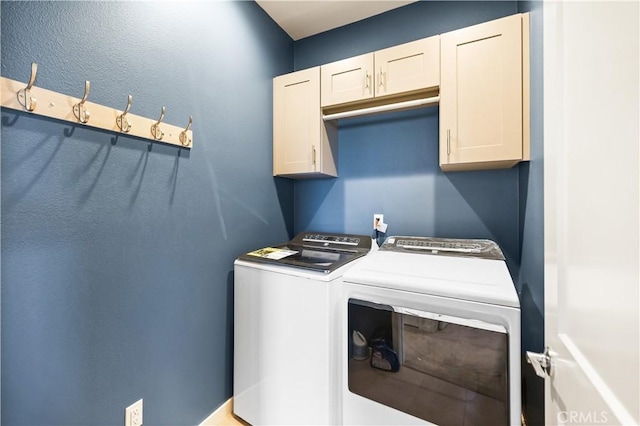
x: 398, y: 70
x: 408, y: 67
x: 479, y: 75
x: 303, y: 145
x: 484, y: 95
x: 347, y: 80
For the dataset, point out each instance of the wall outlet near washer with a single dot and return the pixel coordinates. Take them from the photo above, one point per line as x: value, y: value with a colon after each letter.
x: 378, y: 218
x: 133, y: 414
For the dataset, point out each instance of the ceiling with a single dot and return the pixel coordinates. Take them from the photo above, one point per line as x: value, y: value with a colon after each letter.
x: 304, y: 18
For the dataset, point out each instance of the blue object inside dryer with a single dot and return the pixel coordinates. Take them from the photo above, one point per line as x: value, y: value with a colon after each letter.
x: 383, y: 357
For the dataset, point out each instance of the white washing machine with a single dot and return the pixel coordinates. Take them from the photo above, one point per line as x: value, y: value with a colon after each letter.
x: 441, y: 322
x: 286, y: 305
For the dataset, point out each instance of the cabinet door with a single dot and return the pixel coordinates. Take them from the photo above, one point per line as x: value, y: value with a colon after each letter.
x: 348, y: 80
x: 296, y: 122
x: 481, y: 95
x: 408, y: 67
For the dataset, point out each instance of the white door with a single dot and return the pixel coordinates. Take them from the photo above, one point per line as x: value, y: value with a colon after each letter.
x: 592, y: 185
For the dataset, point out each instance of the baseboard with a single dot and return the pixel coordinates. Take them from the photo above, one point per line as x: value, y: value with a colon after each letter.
x: 218, y: 417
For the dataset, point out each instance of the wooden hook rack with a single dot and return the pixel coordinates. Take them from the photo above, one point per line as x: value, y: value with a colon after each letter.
x: 35, y: 100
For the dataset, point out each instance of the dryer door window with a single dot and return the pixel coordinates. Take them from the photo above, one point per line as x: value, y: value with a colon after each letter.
x: 442, y: 369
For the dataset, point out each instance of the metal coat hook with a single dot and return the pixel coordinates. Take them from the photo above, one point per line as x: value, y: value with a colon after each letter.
x: 121, y: 120
x: 20, y: 97
x: 184, y: 139
x: 24, y: 96
x: 79, y: 110
x: 156, y: 132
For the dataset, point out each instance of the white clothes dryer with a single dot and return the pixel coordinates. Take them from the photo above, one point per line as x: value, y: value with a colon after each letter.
x: 286, y: 302
x: 441, y: 318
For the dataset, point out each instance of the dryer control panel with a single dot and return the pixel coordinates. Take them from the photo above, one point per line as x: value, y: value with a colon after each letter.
x: 485, y: 249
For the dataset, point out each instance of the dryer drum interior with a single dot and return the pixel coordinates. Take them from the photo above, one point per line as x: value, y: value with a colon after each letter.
x: 430, y: 365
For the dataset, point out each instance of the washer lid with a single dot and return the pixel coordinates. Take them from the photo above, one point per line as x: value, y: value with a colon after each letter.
x: 466, y: 278
x: 316, y: 251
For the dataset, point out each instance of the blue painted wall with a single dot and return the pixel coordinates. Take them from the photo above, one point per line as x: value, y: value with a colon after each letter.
x: 117, y: 255
x: 389, y: 164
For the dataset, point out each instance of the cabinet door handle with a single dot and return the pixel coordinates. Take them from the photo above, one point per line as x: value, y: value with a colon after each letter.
x: 382, y: 78
x: 313, y: 155
x: 448, y: 141
x: 367, y: 81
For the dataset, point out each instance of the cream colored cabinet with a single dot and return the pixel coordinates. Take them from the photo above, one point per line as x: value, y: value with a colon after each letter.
x: 303, y: 145
x: 401, y: 69
x: 481, y: 73
x: 484, y: 95
x: 347, y: 80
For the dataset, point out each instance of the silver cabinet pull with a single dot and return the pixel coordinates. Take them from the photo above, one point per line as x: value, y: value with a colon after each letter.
x: 448, y: 141
x: 367, y: 81
x: 313, y: 155
x: 382, y: 78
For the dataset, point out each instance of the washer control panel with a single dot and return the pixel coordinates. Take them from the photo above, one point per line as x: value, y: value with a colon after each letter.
x: 333, y: 239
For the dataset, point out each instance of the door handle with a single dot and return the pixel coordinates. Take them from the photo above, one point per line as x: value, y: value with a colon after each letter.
x: 541, y: 362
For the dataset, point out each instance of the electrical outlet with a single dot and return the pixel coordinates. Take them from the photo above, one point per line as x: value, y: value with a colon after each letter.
x: 378, y: 218
x: 133, y: 414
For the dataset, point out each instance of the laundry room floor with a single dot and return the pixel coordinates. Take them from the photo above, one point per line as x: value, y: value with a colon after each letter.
x: 231, y: 420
